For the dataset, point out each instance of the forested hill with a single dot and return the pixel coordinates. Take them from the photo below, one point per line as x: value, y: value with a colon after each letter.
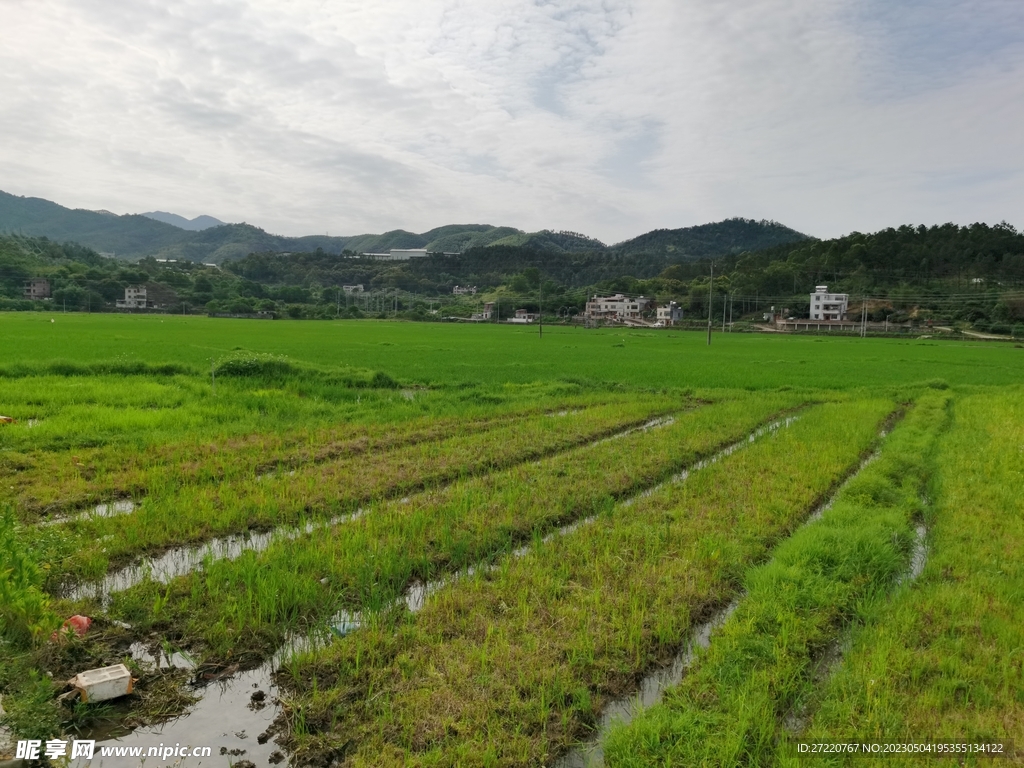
x: 729, y: 237
x: 105, y: 232
x: 484, y: 267
x: 942, y: 257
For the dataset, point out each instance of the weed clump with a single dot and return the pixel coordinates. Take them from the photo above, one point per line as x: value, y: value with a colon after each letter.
x: 256, y: 366
x: 278, y: 368
x: 25, y: 613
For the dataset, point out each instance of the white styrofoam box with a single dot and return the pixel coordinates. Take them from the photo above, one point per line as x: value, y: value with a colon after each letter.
x: 103, y: 683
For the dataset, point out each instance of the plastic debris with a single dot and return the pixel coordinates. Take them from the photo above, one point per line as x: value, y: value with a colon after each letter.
x: 104, y: 683
x: 78, y: 625
x: 7, y: 420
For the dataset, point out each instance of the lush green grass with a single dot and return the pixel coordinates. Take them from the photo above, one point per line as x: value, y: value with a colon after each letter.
x: 944, y: 659
x: 245, y: 606
x: 510, y: 665
x: 447, y: 353
x: 729, y: 711
x: 198, y: 511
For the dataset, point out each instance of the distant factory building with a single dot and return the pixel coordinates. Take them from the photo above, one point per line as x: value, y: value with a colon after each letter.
x: 464, y: 290
x: 37, y: 288
x: 828, y: 306
x: 358, y: 288
x: 398, y: 254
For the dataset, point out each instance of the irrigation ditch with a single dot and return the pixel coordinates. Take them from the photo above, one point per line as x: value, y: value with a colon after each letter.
x: 181, y: 560
x: 241, y: 709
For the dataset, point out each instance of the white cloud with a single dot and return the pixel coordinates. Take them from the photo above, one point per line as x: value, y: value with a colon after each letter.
x: 604, y: 116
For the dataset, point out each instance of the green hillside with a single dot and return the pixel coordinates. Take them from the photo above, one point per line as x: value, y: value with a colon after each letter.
x: 731, y: 236
x: 125, y: 236
x: 554, y: 242
x: 457, y: 238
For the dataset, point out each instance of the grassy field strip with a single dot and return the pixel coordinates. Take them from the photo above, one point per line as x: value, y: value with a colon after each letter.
x: 47, y: 482
x: 649, y: 692
x: 416, y: 595
x: 52, y: 484
x: 796, y: 720
x: 179, y: 561
x: 730, y: 710
x: 73, y: 485
x: 323, y: 449
x: 198, y: 513
x: 943, y: 660
x: 621, y: 711
x: 513, y: 665
x: 249, y: 604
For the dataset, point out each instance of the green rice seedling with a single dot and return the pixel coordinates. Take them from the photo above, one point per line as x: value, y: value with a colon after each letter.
x: 729, y: 710
x: 143, y: 434
x: 25, y: 614
x: 365, y: 564
x: 941, y: 661
x: 198, y: 512
x: 512, y: 664
x: 439, y: 354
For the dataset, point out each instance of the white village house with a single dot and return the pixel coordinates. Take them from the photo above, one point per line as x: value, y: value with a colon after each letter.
x: 828, y: 306
x: 670, y: 314
x: 135, y: 298
x: 524, y: 316
x: 617, y: 307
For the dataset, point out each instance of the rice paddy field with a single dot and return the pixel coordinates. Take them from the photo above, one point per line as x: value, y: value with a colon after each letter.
x: 364, y: 543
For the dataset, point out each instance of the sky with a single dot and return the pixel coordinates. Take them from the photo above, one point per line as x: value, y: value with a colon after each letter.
x: 606, y: 117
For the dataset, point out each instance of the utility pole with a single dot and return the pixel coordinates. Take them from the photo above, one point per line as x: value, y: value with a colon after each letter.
x: 725, y: 307
x: 540, y: 313
x: 711, y: 286
x: 864, y: 318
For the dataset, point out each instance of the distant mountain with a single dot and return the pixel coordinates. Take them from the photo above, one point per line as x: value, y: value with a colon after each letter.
x: 127, y: 236
x: 722, y: 238
x: 198, y: 224
x: 205, y: 239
